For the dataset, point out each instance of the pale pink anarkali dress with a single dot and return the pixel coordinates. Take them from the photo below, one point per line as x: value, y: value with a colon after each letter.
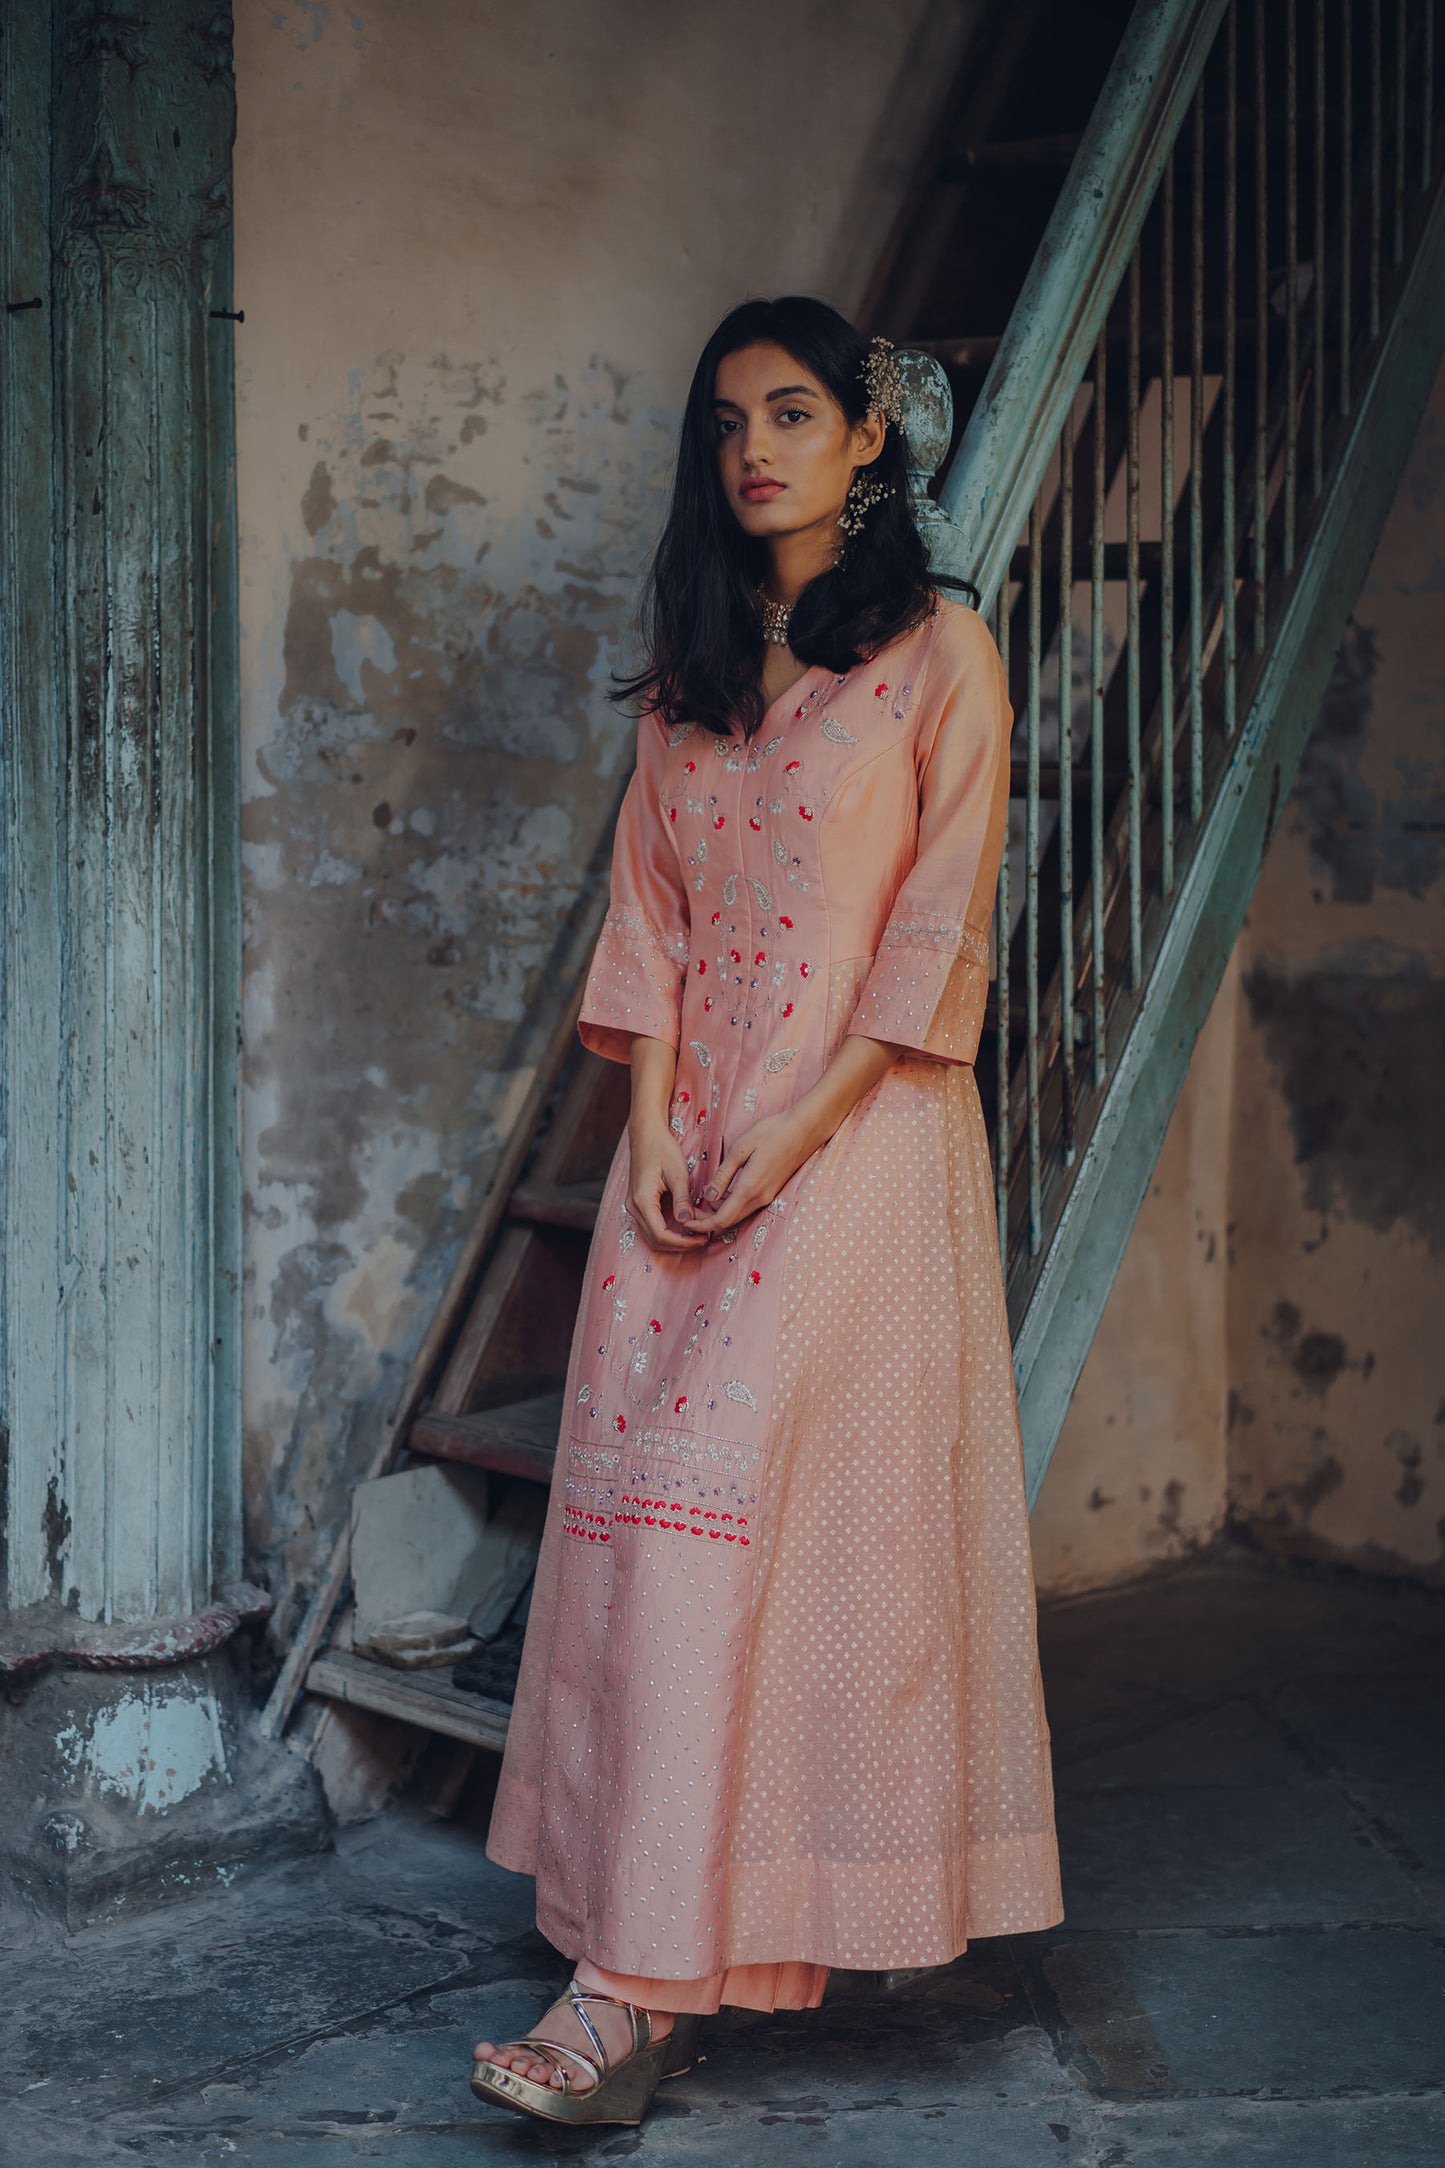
x: 780, y: 1707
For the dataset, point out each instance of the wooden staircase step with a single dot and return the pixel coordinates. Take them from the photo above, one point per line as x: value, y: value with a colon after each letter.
x: 429, y: 1699
x: 1019, y: 154
x: 520, y: 1439
x: 557, y: 1204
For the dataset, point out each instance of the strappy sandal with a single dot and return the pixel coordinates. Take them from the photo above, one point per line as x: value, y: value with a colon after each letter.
x: 620, y: 2092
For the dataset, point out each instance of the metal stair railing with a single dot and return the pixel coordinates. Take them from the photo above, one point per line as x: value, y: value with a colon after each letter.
x: 1170, y: 490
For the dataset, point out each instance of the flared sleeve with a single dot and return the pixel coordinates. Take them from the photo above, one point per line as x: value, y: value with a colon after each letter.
x: 928, y: 982
x: 636, y: 977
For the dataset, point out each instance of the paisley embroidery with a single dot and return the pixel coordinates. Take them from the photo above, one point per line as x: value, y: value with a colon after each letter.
x: 703, y: 1053
x: 679, y: 734
x: 730, y: 890
x: 778, y: 1061
x: 834, y: 730
x: 762, y: 894
x: 736, y: 1390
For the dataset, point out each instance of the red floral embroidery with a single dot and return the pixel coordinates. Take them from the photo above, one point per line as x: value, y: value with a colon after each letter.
x: 757, y: 828
x: 756, y: 1278
x: 672, y: 812
x: 702, y: 967
x: 654, y: 1324
x: 806, y: 811
x: 685, y: 1098
x: 717, y: 918
x: 879, y: 691
x: 679, y: 1404
x: 736, y: 955
x: 691, y: 766
x: 707, y: 1001
x: 610, y: 1281
x: 587, y: 1527
x: 805, y: 970
x: 792, y: 767
x: 785, y: 922
x: 761, y: 957
x: 721, y: 821
x: 619, y: 1423
x: 694, y: 1525
x: 788, y: 1010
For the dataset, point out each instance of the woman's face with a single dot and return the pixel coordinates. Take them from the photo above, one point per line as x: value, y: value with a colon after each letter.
x: 786, y: 451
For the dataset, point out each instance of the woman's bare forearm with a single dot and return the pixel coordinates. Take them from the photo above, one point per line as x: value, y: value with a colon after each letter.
x: 654, y: 1070
x: 850, y: 1076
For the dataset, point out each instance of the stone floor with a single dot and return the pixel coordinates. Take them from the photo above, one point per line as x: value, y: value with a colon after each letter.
x: 1249, y: 1768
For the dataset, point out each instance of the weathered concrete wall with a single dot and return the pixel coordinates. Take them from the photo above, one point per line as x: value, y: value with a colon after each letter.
x: 1337, y: 1286
x: 478, y: 246
x: 1138, y: 1475
x: 1271, y: 1350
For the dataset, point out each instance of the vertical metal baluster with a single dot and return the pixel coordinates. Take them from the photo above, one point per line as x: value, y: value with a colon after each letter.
x: 1003, y: 1140
x: 1427, y: 75
x: 1291, y: 282
x: 1376, y: 170
x: 1229, y: 640
x: 1261, y: 331
x: 1166, y: 528
x: 1397, y: 244
x: 1196, y: 471
x: 1317, y: 284
x: 1347, y: 130
x: 1096, y: 709
x: 1131, y: 658
x: 1066, y: 775
x: 1031, y: 866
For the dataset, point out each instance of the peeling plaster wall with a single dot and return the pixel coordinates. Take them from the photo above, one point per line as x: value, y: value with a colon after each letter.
x: 1138, y: 1475
x: 1337, y: 1286
x: 478, y: 246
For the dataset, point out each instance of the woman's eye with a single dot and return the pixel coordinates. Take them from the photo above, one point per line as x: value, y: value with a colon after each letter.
x: 724, y: 426
x: 795, y: 414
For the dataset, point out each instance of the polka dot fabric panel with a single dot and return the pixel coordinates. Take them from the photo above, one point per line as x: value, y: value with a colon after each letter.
x: 894, y: 1794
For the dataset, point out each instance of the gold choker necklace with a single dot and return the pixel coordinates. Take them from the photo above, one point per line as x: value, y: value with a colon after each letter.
x: 775, y: 618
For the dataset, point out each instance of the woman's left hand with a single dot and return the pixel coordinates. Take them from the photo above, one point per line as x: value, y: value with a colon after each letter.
x: 755, y: 1169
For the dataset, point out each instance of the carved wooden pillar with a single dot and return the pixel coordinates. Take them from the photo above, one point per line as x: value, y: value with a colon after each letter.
x: 121, y: 920
x: 120, y: 982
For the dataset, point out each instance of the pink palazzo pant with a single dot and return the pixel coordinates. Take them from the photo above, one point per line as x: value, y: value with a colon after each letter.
x: 746, y: 1987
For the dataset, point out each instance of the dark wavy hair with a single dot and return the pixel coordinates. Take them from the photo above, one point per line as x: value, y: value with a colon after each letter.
x: 700, y: 620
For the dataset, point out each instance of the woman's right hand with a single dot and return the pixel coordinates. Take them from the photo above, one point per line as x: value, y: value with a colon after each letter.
x: 659, y: 1195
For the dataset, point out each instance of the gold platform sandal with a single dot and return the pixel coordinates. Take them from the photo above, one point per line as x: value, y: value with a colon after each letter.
x: 620, y: 2092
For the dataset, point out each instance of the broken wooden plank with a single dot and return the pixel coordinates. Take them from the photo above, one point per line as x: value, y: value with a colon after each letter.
x: 557, y: 1204
x: 517, y: 1440
x: 430, y: 1700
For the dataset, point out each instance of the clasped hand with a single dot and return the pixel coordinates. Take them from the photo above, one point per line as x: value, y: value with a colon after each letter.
x: 756, y: 1167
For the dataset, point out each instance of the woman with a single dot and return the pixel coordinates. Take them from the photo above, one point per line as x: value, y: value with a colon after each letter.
x: 779, y: 1706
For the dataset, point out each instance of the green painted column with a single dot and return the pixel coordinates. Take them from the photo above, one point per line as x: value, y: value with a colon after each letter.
x: 121, y: 964
x: 128, y: 1764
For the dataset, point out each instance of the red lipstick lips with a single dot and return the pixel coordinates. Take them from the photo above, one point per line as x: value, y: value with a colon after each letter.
x: 757, y: 491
